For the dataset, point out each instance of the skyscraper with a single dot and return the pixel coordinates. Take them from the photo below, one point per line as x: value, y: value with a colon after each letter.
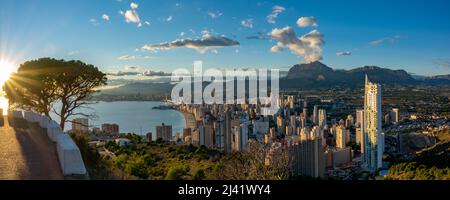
x: 359, y: 118
x: 395, y: 116
x: 228, y: 131
x: 308, y: 155
x: 315, y: 117
x: 341, y: 141
x: 350, y: 121
x: 240, y: 140
x: 164, y: 132
x: 322, y: 118
x: 219, y: 130
x: 373, y: 135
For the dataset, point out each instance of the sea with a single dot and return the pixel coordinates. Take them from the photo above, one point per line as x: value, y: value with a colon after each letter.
x: 137, y: 117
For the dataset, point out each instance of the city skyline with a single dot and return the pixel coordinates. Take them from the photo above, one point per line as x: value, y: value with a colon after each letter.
x: 137, y: 35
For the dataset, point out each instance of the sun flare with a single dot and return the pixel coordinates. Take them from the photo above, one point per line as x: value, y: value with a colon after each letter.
x: 6, y: 69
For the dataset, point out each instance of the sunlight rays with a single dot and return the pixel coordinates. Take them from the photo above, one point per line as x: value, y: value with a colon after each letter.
x: 6, y: 69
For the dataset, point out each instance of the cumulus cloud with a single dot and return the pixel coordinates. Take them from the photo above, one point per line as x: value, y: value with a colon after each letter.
x: 202, y: 45
x: 308, y: 46
x: 134, y: 6
x: 105, y: 17
x: 343, y: 53
x: 182, y: 34
x: 307, y: 22
x: 248, y: 23
x: 215, y: 14
x: 386, y: 40
x: 131, y: 16
x: 276, y: 10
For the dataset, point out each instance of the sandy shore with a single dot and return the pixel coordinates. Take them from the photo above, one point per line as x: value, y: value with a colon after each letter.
x: 190, y: 120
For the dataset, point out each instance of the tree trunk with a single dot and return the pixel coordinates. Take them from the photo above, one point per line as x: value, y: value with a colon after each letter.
x: 62, y: 123
x: 63, y: 116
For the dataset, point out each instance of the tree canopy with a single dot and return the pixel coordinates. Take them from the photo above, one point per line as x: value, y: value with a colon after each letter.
x: 39, y: 84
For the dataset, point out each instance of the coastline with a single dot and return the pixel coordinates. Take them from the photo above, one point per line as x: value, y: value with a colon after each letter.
x: 190, y: 119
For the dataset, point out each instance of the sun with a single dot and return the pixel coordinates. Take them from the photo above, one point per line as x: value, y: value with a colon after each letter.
x: 6, y: 69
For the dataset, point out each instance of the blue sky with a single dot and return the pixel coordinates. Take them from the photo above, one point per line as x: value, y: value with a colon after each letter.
x: 410, y: 35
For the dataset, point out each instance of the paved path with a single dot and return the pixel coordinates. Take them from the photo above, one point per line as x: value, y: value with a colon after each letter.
x: 26, y: 153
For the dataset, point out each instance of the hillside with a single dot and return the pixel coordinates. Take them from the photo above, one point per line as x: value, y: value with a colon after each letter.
x: 318, y: 75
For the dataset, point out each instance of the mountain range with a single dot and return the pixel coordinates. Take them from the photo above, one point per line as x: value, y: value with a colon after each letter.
x: 317, y: 75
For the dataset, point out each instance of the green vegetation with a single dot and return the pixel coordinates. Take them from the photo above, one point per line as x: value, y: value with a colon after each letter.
x: 415, y: 171
x: 431, y: 164
x: 159, y: 160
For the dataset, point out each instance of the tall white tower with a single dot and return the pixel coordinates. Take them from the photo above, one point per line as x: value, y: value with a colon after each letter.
x: 373, y: 133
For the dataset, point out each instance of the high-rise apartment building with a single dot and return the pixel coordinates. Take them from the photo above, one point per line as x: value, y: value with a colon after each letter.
x: 164, y: 132
x: 110, y: 128
x: 341, y: 137
x: 395, y: 115
x: 372, y: 131
x: 308, y: 155
x: 315, y: 116
x: 322, y: 118
x: 359, y: 118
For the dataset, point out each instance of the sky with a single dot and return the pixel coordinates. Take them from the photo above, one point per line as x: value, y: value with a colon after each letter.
x: 122, y: 35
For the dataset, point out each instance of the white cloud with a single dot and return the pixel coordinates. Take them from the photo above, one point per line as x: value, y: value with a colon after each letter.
x: 214, y: 51
x: 132, y: 57
x: 202, y: 45
x: 126, y: 57
x: 131, y: 16
x: 248, y: 23
x: 276, y: 10
x: 147, y: 23
x: 389, y: 40
x: 134, y: 6
x: 169, y: 18
x: 130, y: 67
x: 182, y: 34
x: 215, y: 14
x: 71, y: 53
x: 259, y: 36
x: 94, y: 22
x: 177, y: 4
x: 343, y: 53
x: 307, y: 22
x: 308, y: 46
x: 105, y: 17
